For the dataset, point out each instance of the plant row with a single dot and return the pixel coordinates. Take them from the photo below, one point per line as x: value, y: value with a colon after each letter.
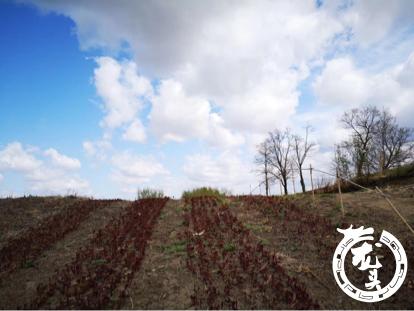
x: 232, y: 269
x: 22, y: 250
x: 297, y: 223
x: 101, y: 272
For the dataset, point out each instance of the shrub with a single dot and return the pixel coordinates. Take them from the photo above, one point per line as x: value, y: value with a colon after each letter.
x: 205, y: 191
x: 148, y: 193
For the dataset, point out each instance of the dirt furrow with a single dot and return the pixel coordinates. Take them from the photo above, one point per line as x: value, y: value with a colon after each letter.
x: 19, y: 287
x: 163, y: 281
x: 17, y: 215
x: 303, y: 262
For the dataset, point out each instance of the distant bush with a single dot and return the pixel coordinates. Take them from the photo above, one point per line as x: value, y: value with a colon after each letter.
x: 148, y: 193
x: 205, y: 191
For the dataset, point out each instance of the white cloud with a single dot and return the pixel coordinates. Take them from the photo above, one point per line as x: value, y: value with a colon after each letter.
x: 121, y: 90
x: 226, y: 74
x: 1, y: 177
x: 325, y: 126
x: 344, y: 86
x: 224, y: 170
x: 62, y: 161
x: 98, y: 148
x: 220, y: 136
x: 372, y: 20
x: 135, y: 132
x: 404, y: 73
x: 247, y: 58
x: 131, y: 171
x: 175, y: 116
x: 15, y: 157
x: 46, y: 180
x: 49, y: 175
x: 89, y: 148
x: 341, y: 84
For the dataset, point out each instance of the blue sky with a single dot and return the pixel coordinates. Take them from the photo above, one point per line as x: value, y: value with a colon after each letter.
x: 101, y: 99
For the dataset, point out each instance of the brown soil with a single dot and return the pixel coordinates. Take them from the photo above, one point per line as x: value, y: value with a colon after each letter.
x: 19, y: 287
x: 361, y: 208
x: 163, y: 281
x: 19, y: 214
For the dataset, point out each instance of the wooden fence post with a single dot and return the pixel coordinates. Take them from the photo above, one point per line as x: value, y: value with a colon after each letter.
x: 338, y: 181
x: 313, y: 192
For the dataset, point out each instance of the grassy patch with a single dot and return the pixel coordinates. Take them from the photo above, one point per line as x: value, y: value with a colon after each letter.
x: 265, y: 242
x: 98, y: 262
x: 205, y: 191
x: 229, y: 247
x: 148, y: 193
x: 163, y: 215
x: 258, y: 228
x: 177, y: 247
x: 28, y: 264
x: 324, y: 195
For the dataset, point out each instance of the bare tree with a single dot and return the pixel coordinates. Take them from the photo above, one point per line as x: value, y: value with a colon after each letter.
x: 302, y: 147
x: 262, y: 160
x: 280, y: 144
x: 341, y: 162
x: 363, y: 123
x: 393, y: 144
x: 377, y: 142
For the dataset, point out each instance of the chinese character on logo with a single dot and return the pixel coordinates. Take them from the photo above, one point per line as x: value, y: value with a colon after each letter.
x: 360, y: 241
x: 360, y: 256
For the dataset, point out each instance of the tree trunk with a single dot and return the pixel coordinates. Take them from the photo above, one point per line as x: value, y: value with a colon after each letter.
x: 359, y: 166
x: 266, y: 181
x: 285, y: 189
x: 302, y: 182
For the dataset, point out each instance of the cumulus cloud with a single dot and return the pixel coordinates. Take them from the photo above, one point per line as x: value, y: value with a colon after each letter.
x: 372, y: 20
x: 175, y: 116
x: 247, y: 58
x: 49, y: 175
x: 46, y: 180
x: 343, y: 85
x: 132, y: 171
x: 135, y: 132
x: 223, y: 170
x: 62, y: 161
x: 226, y: 72
x: 97, y: 148
x: 220, y: 136
x: 121, y: 90
x: 15, y: 157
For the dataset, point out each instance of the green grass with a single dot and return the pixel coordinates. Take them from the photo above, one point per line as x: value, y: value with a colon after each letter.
x: 265, y: 242
x: 229, y: 247
x: 205, y: 191
x: 28, y: 264
x: 402, y: 171
x: 390, y: 176
x: 98, y: 262
x: 177, y: 247
x: 258, y: 228
x: 148, y: 193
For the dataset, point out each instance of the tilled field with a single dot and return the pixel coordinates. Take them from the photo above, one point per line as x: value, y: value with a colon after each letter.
x: 247, y: 252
